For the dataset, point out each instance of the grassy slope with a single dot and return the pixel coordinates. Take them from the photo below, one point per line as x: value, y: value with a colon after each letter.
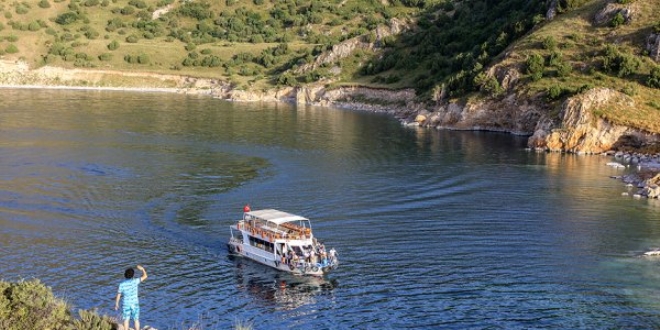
x: 581, y: 43
x: 165, y: 53
x: 578, y: 40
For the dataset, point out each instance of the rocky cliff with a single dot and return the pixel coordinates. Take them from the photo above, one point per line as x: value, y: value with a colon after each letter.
x: 578, y: 129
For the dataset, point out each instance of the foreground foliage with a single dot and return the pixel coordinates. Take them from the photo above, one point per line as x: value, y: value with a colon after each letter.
x: 28, y: 305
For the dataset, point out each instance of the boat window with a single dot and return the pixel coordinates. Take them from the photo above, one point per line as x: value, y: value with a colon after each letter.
x: 261, y: 244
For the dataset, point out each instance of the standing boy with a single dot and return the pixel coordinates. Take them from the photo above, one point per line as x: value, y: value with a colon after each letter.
x: 129, y: 290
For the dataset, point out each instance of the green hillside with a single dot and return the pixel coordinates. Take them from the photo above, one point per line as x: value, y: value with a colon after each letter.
x: 235, y: 40
x: 448, y: 49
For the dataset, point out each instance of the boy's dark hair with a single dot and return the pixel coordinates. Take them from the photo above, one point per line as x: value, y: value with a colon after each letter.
x: 129, y: 273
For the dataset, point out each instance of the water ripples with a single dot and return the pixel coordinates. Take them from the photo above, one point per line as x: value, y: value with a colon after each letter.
x: 450, y: 230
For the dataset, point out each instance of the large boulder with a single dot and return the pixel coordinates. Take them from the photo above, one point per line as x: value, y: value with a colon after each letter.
x: 653, y: 46
x: 605, y: 15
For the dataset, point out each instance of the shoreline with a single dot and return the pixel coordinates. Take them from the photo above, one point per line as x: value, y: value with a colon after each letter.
x: 18, y: 75
x: 95, y: 88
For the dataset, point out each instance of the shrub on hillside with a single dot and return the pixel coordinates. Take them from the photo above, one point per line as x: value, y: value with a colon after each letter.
x: 127, y: 10
x: 132, y: 39
x: 34, y: 26
x: 563, y: 69
x: 114, y: 24
x: 488, y: 84
x: 629, y: 89
x: 654, y: 77
x: 137, y: 59
x: 66, y: 18
x: 105, y: 57
x: 140, y: 4
x: 555, y: 92
x: 44, y: 4
x: 197, y: 10
x: 617, y: 20
x: 534, y: 66
x: 90, y: 33
x: 11, y: 49
x: 287, y: 79
x: 113, y: 45
x: 22, y: 8
x: 622, y: 64
x: 549, y: 43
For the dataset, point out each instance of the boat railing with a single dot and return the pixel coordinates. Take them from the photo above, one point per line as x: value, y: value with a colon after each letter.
x: 305, y: 266
x: 270, y: 233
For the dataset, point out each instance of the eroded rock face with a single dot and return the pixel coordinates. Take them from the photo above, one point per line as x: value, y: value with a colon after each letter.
x: 347, y: 48
x: 653, y: 46
x: 287, y: 94
x: 580, y: 131
x: 552, y: 10
x: 605, y: 15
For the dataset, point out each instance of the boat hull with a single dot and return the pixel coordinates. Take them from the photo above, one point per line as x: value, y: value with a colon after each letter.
x: 306, y: 269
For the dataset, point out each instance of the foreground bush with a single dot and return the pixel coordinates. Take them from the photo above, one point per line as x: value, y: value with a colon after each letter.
x: 30, y: 305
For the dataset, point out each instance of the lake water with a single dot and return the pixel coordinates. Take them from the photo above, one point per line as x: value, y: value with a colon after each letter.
x: 434, y: 229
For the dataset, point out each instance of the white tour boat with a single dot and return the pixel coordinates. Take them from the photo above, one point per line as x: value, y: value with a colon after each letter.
x: 281, y: 240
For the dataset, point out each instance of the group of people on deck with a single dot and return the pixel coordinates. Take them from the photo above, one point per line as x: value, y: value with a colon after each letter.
x: 311, y: 256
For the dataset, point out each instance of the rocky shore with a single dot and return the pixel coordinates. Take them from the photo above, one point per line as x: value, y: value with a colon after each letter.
x: 646, y: 178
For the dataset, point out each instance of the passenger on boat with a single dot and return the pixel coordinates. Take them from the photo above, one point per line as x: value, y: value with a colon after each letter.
x: 308, y: 251
x: 289, y: 256
x: 333, y: 255
x: 314, y: 258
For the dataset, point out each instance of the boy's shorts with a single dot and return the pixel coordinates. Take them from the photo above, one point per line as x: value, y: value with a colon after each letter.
x: 131, y: 312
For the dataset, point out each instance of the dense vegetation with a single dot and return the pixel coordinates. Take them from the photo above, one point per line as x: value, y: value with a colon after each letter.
x: 30, y: 305
x: 447, y: 48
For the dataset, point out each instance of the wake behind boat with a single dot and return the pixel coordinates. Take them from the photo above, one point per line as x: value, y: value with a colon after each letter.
x: 281, y: 240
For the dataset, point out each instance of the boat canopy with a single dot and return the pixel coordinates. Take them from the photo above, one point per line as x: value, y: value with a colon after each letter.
x: 274, y: 216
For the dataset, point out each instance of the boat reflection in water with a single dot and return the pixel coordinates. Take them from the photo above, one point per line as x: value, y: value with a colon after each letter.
x: 283, y: 290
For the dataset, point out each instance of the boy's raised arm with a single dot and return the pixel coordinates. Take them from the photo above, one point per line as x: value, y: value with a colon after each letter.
x: 144, y: 273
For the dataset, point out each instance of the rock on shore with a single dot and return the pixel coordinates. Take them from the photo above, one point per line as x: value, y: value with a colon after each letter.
x: 647, y: 177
